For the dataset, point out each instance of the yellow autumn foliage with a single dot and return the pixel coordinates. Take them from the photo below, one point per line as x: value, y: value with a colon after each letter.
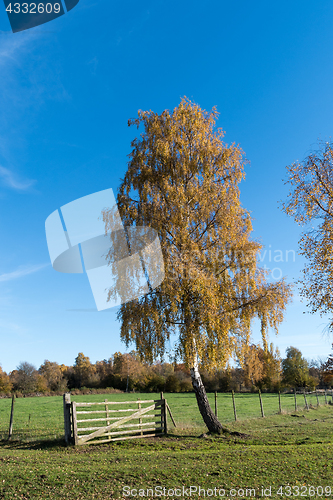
x: 183, y: 181
x: 310, y: 202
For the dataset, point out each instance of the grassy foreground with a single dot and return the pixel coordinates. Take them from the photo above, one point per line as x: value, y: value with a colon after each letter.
x: 290, y: 453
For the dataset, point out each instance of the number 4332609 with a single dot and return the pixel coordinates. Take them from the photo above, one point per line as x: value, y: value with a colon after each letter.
x: 33, y: 8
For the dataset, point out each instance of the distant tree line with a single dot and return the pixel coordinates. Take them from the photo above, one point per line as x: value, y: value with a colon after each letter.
x: 257, y: 369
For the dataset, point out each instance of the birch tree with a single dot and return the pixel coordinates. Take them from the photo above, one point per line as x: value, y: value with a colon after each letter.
x: 310, y: 203
x: 182, y: 180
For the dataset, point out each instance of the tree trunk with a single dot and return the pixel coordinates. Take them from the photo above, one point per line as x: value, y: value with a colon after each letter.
x: 207, y: 414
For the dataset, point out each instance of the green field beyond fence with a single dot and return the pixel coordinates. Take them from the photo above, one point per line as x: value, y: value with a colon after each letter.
x: 41, y: 418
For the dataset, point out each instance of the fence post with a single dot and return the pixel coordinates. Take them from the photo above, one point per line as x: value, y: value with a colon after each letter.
x: 295, y: 399
x: 164, y: 414
x: 262, y: 409
x: 280, y: 409
x: 325, y: 398
x: 67, y: 417
x: 306, y: 403
x: 173, y: 420
x: 11, y: 418
x: 74, y: 418
x: 317, y: 398
x: 215, y: 404
x: 234, y: 405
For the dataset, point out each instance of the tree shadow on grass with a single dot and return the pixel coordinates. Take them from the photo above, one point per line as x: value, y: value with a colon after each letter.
x: 42, y: 444
x: 186, y: 439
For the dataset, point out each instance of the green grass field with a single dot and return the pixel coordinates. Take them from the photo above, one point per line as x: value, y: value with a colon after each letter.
x: 290, y: 453
x: 41, y: 418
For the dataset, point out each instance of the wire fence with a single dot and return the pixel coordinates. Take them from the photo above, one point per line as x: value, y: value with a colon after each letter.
x: 34, y: 418
x: 42, y: 418
x: 246, y: 405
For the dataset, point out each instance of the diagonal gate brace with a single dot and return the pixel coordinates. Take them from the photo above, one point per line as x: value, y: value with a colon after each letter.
x: 101, y: 431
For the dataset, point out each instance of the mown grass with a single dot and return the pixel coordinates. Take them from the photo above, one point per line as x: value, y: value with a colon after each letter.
x: 294, y: 449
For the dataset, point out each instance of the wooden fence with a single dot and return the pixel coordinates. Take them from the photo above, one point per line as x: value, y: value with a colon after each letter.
x: 93, y: 423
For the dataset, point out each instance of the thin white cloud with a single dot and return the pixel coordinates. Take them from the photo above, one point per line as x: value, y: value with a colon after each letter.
x: 10, y: 48
x: 13, y: 327
x: 93, y: 63
x: 22, y: 271
x: 11, y: 180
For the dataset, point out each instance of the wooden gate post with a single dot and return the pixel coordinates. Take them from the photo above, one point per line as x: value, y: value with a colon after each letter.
x: 295, y: 399
x: 280, y: 409
x: 325, y: 398
x: 67, y: 417
x: 164, y: 414
x: 74, y: 421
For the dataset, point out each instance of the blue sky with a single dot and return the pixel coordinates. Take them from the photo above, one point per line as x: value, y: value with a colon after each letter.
x: 67, y: 89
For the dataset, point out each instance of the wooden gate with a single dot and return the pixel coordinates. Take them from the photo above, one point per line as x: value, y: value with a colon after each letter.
x: 93, y: 423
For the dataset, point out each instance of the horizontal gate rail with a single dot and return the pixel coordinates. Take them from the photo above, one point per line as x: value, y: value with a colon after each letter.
x: 111, y: 418
x: 118, y: 402
x: 103, y: 411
